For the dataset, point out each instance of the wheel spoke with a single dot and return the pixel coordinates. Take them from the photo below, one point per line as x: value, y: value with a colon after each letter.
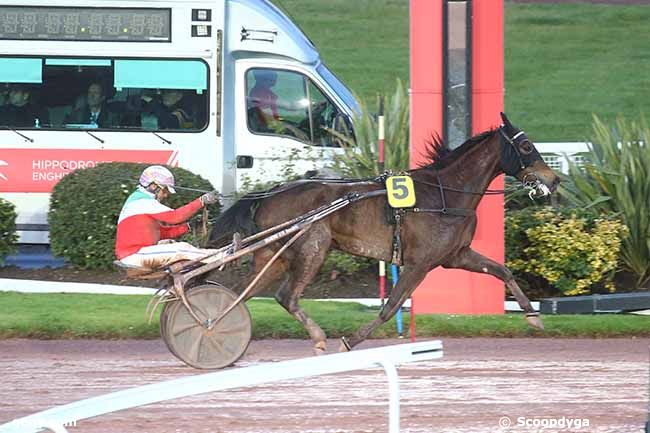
x: 176, y: 332
x: 217, y: 345
x: 199, y: 309
x: 222, y: 304
x: 232, y: 329
x: 195, y: 348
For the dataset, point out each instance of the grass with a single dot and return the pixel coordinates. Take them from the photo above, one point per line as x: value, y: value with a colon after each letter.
x: 56, y: 316
x: 563, y: 62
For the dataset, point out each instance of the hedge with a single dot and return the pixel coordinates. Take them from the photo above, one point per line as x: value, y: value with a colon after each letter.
x: 568, y: 250
x: 85, y: 205
x: 8, y: 236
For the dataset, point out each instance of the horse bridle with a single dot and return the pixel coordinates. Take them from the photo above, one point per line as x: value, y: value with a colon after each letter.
x: 529, y: 180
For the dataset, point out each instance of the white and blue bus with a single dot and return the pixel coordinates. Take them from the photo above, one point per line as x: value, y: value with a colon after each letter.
x: 224, y: 88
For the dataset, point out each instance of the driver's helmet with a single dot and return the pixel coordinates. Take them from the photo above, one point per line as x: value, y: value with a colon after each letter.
x: 159, y: 175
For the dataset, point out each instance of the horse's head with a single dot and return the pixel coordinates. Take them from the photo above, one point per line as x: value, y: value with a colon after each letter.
x: 520, y: 159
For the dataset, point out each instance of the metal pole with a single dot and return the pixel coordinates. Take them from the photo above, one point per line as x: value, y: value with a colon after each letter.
x: 398, y: 316
x: 647, y: 423
x: 382, y: 281
x: 412, y: 321
x: 380, y: 167
x: 393, y: 396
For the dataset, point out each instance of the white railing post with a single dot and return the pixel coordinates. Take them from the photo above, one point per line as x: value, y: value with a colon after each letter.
x: 393, y: 396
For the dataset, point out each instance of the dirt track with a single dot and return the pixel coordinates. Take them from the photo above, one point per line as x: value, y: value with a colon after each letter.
x: 476, y: 383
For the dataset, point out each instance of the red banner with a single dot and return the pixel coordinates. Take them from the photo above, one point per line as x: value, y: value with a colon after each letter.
x: 38, y: 170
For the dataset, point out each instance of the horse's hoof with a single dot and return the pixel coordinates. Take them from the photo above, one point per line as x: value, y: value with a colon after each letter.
x: 345, y: 346
x: 535, y: 322
x: 320, y: 348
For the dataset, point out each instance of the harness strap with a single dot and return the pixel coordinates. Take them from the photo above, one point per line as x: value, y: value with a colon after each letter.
x: 442, y: 193
x: 397, y: 238
x: 451, y: 211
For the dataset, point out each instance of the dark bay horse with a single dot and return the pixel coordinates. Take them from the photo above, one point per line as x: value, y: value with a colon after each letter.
x: 456, y: 180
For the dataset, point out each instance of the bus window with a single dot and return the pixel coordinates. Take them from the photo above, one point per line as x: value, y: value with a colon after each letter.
x: 276, y: 103
x: 110, y: 94
x: 331, y: 127
x: 289, y: 104
x: 21, y: 78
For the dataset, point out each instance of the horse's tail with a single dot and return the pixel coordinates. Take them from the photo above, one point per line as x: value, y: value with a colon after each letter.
x: 240, y: 217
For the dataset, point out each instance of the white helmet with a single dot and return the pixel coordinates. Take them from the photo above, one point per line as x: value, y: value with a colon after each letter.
x: 159, y: 175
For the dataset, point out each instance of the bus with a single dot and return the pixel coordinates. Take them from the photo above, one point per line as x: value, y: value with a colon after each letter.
x: 228, y: 89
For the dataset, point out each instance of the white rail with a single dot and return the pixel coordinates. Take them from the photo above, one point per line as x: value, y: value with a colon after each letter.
x: 556, y: 154
x: 388, y: 357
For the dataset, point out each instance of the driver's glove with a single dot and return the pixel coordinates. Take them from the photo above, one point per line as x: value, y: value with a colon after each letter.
x: 210, y: 198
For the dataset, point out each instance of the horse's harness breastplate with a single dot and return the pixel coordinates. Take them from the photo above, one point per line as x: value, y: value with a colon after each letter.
x: 396, y: 217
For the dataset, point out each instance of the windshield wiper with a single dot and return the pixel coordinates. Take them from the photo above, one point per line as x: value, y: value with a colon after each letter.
x: 31, y: 140
x: 161, y: 137
x: 95, y: 137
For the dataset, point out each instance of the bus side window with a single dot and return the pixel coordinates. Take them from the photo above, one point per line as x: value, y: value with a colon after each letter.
x: 58, y: 114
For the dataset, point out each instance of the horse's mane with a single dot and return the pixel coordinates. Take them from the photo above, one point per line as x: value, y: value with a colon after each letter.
x: 438, y: 155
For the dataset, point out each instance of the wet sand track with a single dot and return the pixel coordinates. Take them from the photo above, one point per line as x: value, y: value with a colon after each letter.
x: 476, y: 383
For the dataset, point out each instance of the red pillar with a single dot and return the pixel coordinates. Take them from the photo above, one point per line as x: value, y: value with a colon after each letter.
x: 426, y: 73
x: 455, y: 291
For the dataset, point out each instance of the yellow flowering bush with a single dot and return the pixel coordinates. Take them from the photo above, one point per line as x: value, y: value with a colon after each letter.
x: 572, y: 252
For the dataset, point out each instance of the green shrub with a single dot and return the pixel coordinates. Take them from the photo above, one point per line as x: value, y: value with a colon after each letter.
x: 8, y: 236
x: 85, y: 205
x: 345, y: 263
x: 616, y: 179
x: 360, y: 158
x: 571, y: 249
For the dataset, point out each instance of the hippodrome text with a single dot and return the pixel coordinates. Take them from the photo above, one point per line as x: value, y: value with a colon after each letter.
x: 55, y: 169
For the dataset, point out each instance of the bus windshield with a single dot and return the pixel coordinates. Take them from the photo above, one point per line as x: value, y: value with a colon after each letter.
x: 339, y: 88
x: 103, y: 93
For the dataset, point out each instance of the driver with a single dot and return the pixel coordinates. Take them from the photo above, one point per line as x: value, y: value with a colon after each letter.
x: 145, y: 225
x: 262, y: 97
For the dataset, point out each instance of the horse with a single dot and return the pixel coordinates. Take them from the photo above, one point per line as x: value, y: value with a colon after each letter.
x: 439, y: 232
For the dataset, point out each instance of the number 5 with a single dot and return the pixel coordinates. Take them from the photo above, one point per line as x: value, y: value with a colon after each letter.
x: 401, y: 192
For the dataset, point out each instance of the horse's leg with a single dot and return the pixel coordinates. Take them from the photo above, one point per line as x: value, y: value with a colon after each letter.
x: 408, y: 281
x: 308, y: 259
x: 470, y: 260
x: 275, y: 272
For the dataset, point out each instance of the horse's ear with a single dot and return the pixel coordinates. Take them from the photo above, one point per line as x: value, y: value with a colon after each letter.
x: 505, y: 120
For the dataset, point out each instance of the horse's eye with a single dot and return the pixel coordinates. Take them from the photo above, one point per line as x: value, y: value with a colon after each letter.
x: 526, y: 147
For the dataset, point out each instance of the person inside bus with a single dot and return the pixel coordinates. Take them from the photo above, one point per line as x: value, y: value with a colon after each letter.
x: 146, y: 227
x: 262, y: 109
x: 20, y: 112
x: 4, y: 94
x: 261, y: 98
x: 174, y: 109
x: 95, y: 111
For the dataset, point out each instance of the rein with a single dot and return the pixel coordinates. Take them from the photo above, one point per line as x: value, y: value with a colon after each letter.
x: 462, y: 191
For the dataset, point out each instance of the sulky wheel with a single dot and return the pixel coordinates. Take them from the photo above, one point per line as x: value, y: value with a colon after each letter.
x: 197, y: 346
